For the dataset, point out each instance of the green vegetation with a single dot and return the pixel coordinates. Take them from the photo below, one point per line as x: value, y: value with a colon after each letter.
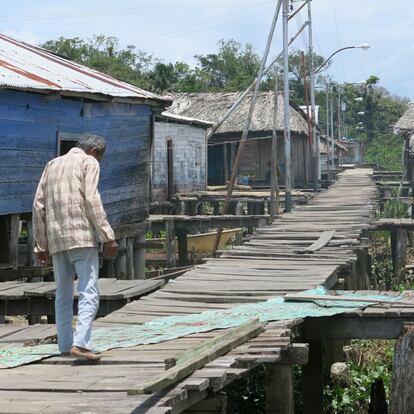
x: 375, y: 364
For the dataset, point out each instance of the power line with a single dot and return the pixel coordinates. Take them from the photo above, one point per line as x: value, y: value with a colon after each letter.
x: 202, y: 26
x: 154, y: 8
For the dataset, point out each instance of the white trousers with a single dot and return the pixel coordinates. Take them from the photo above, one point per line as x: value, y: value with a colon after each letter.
x: 85, y: 263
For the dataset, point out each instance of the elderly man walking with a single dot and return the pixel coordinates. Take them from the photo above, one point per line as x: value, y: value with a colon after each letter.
x: 69, y: 221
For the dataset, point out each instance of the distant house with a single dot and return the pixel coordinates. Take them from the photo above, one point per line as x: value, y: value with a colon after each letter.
x: 405, y: 128
x: 46, y: 104
x: 341, y: 154
x: 179, y: 156
x: 256, y: 157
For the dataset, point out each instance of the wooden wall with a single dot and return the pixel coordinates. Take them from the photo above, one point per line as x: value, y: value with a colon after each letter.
x: 29, y: 125
x: 189, y: 159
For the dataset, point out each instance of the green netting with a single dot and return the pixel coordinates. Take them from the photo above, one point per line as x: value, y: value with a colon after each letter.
x: 173, y: 327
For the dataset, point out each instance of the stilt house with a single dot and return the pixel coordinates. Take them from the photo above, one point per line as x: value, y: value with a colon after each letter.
x: 222, y: 146
x: 46, y: 104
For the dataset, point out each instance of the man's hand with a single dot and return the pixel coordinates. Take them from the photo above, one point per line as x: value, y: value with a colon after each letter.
x: 42, y: 258
x: 110, y: 249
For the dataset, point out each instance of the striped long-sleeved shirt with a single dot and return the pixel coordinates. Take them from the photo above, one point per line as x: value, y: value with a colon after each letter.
x: 67, y: 209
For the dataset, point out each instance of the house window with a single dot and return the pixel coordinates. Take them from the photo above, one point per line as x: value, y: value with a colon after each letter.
x: 66, y: 141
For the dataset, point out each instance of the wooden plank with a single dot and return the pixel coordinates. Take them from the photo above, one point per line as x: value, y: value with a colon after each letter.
x: 193, y: 363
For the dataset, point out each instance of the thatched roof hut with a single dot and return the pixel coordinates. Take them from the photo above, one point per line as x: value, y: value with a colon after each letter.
x: 405, y: 125
x: 256, y: 156
x: 213, y: 106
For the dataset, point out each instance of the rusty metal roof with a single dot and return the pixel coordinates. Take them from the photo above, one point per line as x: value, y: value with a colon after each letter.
x: 27, y: 67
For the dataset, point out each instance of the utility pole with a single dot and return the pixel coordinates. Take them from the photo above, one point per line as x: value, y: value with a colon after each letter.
x: 339, y: 116
x: 286, y: 117
x: 274, y: 182
x: 246, y: 129
x: 328, y: 149
x: 316, y: 153
x: 332, y: 135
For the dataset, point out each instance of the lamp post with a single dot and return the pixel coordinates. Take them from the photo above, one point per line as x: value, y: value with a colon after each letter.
x: 364, y: 46
x: 313, y: 72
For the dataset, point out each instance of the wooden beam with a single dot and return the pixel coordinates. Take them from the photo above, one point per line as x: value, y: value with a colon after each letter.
x: 341, y: 327
x: 193, y: 363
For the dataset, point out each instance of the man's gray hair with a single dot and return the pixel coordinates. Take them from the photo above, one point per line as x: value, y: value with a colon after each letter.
x: 91, y: 141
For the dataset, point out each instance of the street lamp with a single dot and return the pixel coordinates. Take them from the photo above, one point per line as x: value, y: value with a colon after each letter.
x: 362, y: 113
x: 364, y: 46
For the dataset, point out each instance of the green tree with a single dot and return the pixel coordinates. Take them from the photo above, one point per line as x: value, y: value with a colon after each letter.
x: 232, y: 68
x: 103, y: 53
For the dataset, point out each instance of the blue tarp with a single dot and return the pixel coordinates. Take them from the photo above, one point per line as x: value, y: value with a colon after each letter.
x: 173, y: 327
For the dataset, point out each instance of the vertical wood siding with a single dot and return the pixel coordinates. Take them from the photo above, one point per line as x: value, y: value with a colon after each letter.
x: 29, y: 124
x: 189, y: 159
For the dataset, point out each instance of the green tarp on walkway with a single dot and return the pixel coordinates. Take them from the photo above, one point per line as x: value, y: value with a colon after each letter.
x: 173, y: 327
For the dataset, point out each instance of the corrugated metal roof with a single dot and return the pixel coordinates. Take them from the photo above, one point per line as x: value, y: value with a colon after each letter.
x: 23, y: 66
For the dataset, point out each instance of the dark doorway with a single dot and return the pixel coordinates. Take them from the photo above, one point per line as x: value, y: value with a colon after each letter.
x: 65, y: 145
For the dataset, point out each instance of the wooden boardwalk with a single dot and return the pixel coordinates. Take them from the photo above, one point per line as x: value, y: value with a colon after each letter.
x: 36, y: 299
x: 269, y: 264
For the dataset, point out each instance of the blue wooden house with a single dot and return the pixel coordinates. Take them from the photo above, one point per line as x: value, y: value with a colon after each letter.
x: 46, y: 104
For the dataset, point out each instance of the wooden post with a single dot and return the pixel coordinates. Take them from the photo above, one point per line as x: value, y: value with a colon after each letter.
x: 225, y: 164
x: 279, y: 389
x: 108, y: 268
x: 120, y: 264
x: 399, y: 254
x: 402, y: 398
x: 130, y: 258
x: 182, y: 247
x: 30, y: 243
x: 30, y: 261
x: 4, y: 240
x: 139, y: 257
x: 14, y: 240
x: 312, y: 377
x: 170, y: 242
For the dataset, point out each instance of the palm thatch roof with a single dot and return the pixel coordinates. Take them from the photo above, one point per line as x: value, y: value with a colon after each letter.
x: 212, y: 107
x: 405, y: 125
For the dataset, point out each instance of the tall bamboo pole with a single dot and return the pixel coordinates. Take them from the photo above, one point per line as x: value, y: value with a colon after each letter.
x: 251, y: 86
x: 286, y: 115
x: 274, y: 182
x: 243, y: 138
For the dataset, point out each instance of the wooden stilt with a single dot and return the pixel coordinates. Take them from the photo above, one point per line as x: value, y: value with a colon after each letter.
x: 279, y: 389
x: 108, y: 270
x: 120, y: 264
x: 399, y: 254
x: 312, y: 377
x: 4, y: 240
x: 402, y: 400
x: 139, y: 257
x: 14, y: 240
x: 130, y: 258
x: 170, y: 242
x: 30, y: 243
x: 182, y: 248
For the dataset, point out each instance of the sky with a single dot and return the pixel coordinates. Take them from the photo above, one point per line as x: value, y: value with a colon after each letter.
x: 176, y: 30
